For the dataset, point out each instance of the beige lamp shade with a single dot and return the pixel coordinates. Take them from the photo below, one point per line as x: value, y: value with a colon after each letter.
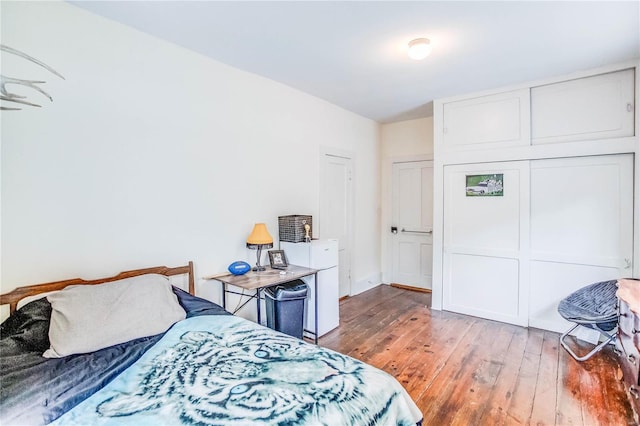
x: 259, y: 236
x: 259, y: 239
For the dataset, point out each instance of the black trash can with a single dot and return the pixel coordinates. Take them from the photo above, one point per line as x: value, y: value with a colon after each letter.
x: 285, y: 307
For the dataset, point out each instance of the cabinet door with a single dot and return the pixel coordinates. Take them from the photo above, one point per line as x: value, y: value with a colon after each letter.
x: 494, y: 121
x: 597, y: 107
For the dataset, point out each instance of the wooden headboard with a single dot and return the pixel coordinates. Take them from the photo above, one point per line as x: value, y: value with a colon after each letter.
x: 14, y: 296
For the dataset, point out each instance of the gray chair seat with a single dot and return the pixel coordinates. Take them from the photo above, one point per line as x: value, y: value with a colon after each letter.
x: 593, y: 306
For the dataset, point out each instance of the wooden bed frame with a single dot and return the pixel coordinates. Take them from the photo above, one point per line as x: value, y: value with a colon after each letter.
x: 14, y: 296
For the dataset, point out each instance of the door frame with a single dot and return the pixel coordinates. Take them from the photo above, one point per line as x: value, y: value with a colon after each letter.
x: 387, y: 209
x: 350, y: 155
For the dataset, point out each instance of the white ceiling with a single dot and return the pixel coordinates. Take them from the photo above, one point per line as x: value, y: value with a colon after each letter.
x: 353, y: 53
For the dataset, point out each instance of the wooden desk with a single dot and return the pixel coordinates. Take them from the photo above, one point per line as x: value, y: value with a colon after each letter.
x: 258, y: 280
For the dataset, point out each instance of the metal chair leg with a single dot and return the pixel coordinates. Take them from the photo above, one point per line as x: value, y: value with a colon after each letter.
x: 610, y: 338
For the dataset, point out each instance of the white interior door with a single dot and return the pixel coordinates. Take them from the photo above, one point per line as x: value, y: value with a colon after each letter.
x: 581, y: 229
x: 412, y: 224
x: 336, y: 203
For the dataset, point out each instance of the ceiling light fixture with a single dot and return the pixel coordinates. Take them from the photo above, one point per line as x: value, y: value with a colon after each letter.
x: 419, y: 48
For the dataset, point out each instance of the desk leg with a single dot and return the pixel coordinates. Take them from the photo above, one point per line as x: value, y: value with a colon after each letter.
x: 258, y: 297
x: 224, y: 296
x: 315, y: 309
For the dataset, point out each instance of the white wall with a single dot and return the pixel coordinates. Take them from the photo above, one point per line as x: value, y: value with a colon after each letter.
x: 152, y: 154
x: 407, y: 138
x: 401, y: 141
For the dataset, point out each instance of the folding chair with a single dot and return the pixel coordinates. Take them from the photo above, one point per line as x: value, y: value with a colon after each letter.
x: 593, y: 306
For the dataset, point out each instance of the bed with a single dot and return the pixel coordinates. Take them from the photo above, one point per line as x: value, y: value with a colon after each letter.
x: 70, y: 358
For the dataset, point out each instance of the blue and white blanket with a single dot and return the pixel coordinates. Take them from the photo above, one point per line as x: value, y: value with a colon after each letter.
x: 224, y: 370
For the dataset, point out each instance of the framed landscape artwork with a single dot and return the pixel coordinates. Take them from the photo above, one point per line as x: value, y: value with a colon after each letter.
x: 485, y: 185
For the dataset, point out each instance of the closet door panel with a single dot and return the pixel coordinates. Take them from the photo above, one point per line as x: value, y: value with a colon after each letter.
x: 481, y: 224
x: 597, y: 107
x: 483, y: 286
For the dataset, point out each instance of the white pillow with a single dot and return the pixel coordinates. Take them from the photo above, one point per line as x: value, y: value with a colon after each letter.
x: 86, y: 318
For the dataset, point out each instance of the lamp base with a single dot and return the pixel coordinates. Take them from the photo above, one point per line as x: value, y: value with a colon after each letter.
x: 258, y: 267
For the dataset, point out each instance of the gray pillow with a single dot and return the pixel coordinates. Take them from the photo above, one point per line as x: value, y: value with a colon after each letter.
x: 86, y: 318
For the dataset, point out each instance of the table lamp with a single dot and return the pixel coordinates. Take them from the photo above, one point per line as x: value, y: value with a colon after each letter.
x: 259, y: 239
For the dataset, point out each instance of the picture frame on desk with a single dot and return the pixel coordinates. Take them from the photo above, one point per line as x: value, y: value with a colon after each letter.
x: 278, y: 259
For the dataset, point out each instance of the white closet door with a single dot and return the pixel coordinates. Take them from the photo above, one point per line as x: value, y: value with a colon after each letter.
x: 581, y: 229
x: 484, y: 236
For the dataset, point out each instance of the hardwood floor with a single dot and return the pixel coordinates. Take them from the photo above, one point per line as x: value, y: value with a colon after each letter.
x: 464, y: 370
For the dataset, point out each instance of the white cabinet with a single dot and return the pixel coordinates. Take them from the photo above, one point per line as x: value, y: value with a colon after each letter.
x: 589, y: 108
x: 598, y: 107
x: 494, y: 121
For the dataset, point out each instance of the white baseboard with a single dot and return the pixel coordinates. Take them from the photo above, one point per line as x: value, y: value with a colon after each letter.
x: 366, y: 284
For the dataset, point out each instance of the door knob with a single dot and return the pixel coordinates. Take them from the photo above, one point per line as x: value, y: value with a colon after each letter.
x: 394, y: 229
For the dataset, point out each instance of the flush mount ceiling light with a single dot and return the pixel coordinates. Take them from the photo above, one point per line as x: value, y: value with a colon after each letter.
x: 419, y: 48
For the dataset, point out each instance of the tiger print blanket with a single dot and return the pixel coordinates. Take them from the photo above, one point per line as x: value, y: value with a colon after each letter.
x: 224, y: 370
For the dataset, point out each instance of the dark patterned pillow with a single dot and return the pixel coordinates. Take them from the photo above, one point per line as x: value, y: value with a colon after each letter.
x: 196, y: 306
x: 28, y: 327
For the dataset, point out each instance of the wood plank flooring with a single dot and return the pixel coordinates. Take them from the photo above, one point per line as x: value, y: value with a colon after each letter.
x: 462, y: 370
